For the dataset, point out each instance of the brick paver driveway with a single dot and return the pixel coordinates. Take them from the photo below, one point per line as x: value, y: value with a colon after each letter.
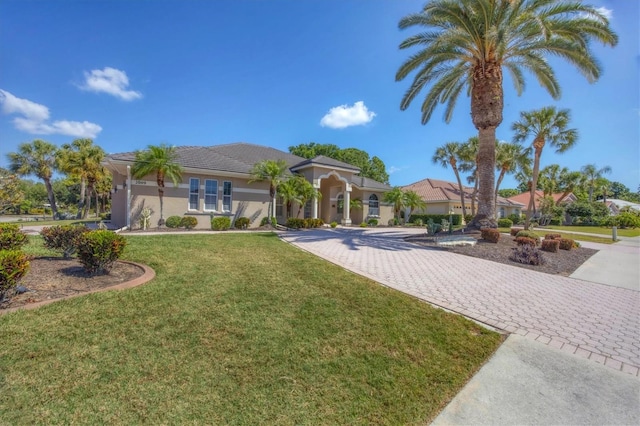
x: 590, y: 320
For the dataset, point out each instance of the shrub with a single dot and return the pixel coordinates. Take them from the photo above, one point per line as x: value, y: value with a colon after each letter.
x: 220, y: 223
x: 515, y: 218
x: 241, y: 223
x: 432, y: 227
x: 550, y: 245
x: 514, y: 231
x: 63, y: 238
x: 393, y: 222
x: 173, y: 221
x: 105, y: 216
x: 526, y: 241
x: 363, y: 225
x: 11, y: 237
x: 14, y: 264
x: 529, y: 234
x: 145, y: 218
x: 295, y: 223
x: 189, y: 222
x: 456, y: 218
x: 334, y: 224
x: 489, y: 234
x: 468, y: 218
x: 99, y: 250
x: 552, y: 236
x: 567, y: 243
x: 527, y: 255
x: 555, y: 222
x: 628, y: 220
x: 372, y: 222
x: 505, y: 223
x: 576, y: 244
x: 418, y: 222
x: 313, y: 223
x: 264, y: 221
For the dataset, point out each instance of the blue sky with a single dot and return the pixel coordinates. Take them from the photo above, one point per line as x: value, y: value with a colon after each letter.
x: 277, y: 73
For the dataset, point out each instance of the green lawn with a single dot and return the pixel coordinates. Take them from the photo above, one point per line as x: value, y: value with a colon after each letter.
x: 38, y: 220
x: 602, y: 230
x: 241, y: 329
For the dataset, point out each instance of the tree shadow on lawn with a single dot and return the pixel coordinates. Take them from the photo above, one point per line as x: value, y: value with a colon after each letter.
x: 354, y: 239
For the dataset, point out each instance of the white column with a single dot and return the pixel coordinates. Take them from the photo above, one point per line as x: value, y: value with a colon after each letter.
x: 346, y: 220
x: 314, y: 202
x: 129, y: 197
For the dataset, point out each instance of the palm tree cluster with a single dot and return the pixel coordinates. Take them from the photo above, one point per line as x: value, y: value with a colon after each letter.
x: 466, y: 45
x: 401, y: 199
x: 79, y: 160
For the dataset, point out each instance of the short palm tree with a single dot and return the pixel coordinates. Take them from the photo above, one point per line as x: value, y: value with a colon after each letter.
x: 288, y: 193
x: 467, y: 44
x: 161, y: 160
x: 544, y: 125
x: 306, y: 192
x: 510, y: 157
x: 413, y: 201
x: 273, y: 172
x: 469, y: 164
x: 592, y: 174
x: 37, y: 158
x: 395, y: 197
x: 448, y: 155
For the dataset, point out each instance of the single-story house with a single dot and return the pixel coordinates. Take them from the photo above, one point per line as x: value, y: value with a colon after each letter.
x: 615, y: 205
x: 442, y: 197
x: 526, y: 196
x: 215, y: 182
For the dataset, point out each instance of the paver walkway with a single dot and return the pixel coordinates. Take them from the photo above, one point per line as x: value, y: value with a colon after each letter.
x: 590, y: 320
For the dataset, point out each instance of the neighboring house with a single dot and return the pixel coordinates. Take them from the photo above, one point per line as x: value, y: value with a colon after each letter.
x: 215, y: 182
x: 526, y: 196
x: 442, y: 197
x: 615, y: 205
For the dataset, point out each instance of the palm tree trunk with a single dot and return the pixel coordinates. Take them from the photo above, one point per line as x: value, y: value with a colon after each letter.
x: 474, y: 194
x: 51, y: 196
x: 83, y: 189
x: 538, y: 144
x: 462, y: 193
x: 590, y: 193
x: 495, y: 199
x: 161, y: 197
x: 486, y: 176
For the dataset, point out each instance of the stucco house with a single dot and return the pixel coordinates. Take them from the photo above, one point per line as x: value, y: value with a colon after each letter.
x: 442, y: 197
x: 524, y: 198
x: 215, y: 182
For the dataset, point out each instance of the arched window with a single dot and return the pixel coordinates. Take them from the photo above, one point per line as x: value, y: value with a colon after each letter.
x: 374, y: 207
x: 340, y: 203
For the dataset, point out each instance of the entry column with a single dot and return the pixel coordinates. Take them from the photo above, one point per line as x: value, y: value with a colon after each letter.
x: 346, y: 219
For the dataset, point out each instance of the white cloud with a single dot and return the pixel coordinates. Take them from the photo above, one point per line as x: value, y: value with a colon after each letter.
x: 34, y: 119
x: 607, y: 13
x: 394, y: 169
x: 111, y: 81
x: 344, y: 116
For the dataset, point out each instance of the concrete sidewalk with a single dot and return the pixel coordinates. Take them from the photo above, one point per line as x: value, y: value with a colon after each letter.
x: 615, y: 264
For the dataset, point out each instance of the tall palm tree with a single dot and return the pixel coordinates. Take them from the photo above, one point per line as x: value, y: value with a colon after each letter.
x: 161, y: 160
x: 467, y: 45
x: 36, y: 158
x: 448, y: 155
x: 396, y: 198
x: 592, y: 174
x: 81, y: 159
x: 273, y: 172
x: 568, y: 181
x: 413, y: 201
x: 545, y: 124
x: 510, y: 158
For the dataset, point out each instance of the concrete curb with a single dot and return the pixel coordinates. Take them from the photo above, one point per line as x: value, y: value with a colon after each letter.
x: 147, y: 275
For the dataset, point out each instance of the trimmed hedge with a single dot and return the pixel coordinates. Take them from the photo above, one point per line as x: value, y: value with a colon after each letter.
x: 567, y: 243
x: 526, y: 241
x: 99, y: 250
x: 489, y: 234
x: 189, y: 222
x: 241, y: 223
x: 372, y: 222
x: 14, y: 264
x: 173, y: 222
x: 505, y: 223
x: 63, y: 238
x: 456, y: 218
x: 529, y: 234
x: 11, y: 237
x: 220, y: 223
x: 527, y: 255
x: 552, y: 236
x: 297, y: 223
x: 550, y: 245
x: 514, y: 231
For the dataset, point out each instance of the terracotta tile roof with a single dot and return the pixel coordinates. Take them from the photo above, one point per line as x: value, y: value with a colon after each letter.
x: 525, y: 196
x: 433, y: 190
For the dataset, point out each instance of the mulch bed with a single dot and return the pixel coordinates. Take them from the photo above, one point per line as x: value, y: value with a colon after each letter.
x: 564, y: 262
x: 54, y: 277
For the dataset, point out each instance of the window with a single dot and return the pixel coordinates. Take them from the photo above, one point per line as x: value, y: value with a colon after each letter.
x: 307, y: 210
x: 210, y: 194
x: 501, y: 212
x: 279, y: 207
x: 226, y: 196
x: 374, y: 207
x: 194, y: 193
x: 340, y: 204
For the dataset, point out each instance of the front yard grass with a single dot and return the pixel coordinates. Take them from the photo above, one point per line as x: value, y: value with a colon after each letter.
x: 240, y: 329
x: 602, y: 230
